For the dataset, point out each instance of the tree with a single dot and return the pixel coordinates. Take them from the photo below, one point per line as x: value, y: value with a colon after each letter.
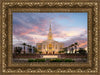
x: 40, y: 52
x: 59, y: 51
x: 62, y: 51
x: 75, y: 46
x: 24, y: 44
x: 29, y: 48
x: 69, y: 49
x: 72, y: 49
x: 82, y: 51
x: 17, y: 50
x: 35, y: 49
x: 65, y: 49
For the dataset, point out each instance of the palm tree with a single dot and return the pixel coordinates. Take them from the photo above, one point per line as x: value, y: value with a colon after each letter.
x: 66, y: 49
x: 17, y: 50
x: 75, y: 46
x: 69, y: 48
x: 24, y: 44
x: 82, y: 51
x: 72, y: 49
x: 30, y: 48
x: 35, y: 49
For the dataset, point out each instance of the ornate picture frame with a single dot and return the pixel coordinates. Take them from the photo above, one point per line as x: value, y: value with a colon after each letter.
x: 8, y: 7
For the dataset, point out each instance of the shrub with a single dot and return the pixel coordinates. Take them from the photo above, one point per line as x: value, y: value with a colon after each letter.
x: 36, y: 60
x: 69, y: 60
x: 56, y: 60
x: 31, y: 60
x: 82, y: 51
x: 39, y: 60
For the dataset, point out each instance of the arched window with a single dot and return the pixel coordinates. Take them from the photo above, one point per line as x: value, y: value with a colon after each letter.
x: 50, y: 46
x: 39, y: 46
x: 56, y: 46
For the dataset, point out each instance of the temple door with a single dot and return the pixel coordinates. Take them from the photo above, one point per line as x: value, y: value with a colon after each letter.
x: 50, y: 48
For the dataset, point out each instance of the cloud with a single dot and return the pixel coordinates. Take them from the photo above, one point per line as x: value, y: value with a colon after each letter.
x: 33, y: 28
x: 82, y: 41
x: 83, y: 44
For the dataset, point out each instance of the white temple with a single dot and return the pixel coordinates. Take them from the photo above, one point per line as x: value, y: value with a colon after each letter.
x: 50, y: 46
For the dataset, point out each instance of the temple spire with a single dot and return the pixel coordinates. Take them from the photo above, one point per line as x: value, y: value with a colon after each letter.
x: 50, y: 34
x: 50, y: 28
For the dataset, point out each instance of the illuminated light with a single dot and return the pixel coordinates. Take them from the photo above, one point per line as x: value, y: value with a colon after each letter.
x: 50, y: 56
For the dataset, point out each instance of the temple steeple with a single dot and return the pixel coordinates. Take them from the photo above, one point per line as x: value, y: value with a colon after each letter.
x: 50, y: 28
x: 50, y: 34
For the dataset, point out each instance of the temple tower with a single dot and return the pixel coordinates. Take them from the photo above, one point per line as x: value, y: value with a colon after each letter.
x: 50, y: 34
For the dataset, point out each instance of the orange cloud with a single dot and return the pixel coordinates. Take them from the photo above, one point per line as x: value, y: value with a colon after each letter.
x: 35, y: 28
x: 82, y: 44
x: 28, y: 31
x: 42, y: 29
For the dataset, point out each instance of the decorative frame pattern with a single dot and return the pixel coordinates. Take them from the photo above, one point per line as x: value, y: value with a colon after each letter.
x: 90, y: 67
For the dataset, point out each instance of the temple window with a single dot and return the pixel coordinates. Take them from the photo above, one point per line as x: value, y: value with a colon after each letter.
x: 44, y: 46
x: 39, y: 46
x: 50, y: 46
x: 56, y: 46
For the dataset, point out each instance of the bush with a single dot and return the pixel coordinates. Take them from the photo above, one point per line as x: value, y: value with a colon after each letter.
x: 69, y: 60
x: 40, y: 60
x: 36, y: 60
x: 82, y: 51
x: 56, y: 60
x: 62, y: 60
x: 31, y: 60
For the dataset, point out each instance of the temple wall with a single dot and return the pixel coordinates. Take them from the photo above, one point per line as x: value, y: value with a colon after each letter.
x: 55, y: 47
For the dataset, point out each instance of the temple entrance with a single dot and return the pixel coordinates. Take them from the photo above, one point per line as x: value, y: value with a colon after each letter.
x: 50, y: 46
x: 49, y: 52
x: 50, y: 49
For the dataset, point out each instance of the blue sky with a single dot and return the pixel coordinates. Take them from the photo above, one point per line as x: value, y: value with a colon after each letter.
x: 33, y: 28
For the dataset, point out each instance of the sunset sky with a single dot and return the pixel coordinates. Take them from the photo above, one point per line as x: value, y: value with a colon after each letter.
x: 33, y: 28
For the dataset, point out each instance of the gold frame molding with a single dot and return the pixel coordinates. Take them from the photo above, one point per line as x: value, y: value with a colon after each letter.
x: 49, y: 6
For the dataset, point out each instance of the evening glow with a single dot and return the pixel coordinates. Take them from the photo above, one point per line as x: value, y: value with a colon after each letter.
x: 33, y: 28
